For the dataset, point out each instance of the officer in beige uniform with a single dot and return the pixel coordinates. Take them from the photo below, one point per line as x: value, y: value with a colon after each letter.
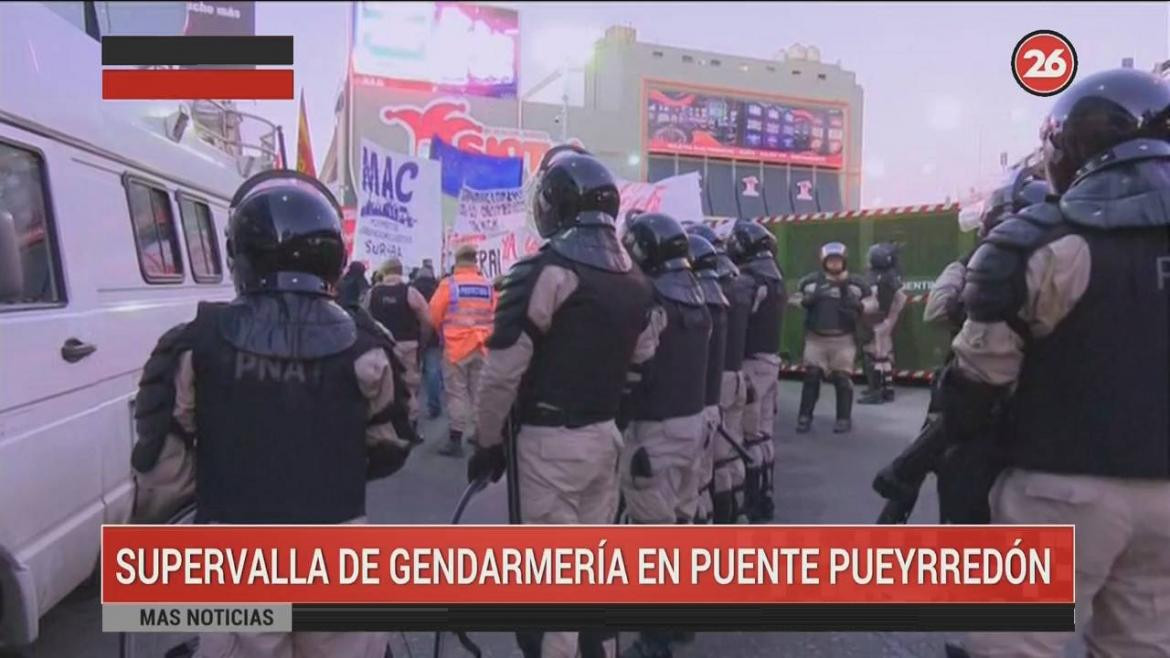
x: 275, y: 408
x: 878, y: 325
x: 1022, y: 187
x: 753, y: 249
x: 666, y: 406
x: 570, y: 321
x: 833, y: 302
x: 1069, y: 320
x: 730, y: 470
x: 404, y: 311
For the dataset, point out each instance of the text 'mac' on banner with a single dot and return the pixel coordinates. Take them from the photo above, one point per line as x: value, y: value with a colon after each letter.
x: 220, y: 74
x: 501, y: 578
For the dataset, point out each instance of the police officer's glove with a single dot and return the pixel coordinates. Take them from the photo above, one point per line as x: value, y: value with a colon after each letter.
x: 970, y: 407
x: 487, y: 464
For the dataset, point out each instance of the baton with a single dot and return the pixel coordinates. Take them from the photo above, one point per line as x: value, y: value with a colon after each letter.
x: 470, y: 492
x: 740, y: 450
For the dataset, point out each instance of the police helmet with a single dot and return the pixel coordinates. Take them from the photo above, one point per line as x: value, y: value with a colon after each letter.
x: 830, y: 249
x: 574, y: 189
x: 703, y: 256
x: 657, y: 243
x: 284, y: 233
x: 1096, y: 114
x: 1024, y: 186
x: 748, y: 240
x: 707, y: 233
x: 883, y: 256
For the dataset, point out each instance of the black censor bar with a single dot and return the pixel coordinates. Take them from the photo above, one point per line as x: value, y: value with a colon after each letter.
x: 196, y: 51
x: 916, y: 617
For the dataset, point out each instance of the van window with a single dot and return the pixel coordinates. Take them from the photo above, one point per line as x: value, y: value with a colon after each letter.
x: 30, y: 272
x: 154, y: 233
x: 202, y: 247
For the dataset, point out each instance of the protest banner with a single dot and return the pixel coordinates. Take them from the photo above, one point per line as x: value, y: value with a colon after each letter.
x: 678, y: 196
x: 398, y: 211
x: 496, y: 223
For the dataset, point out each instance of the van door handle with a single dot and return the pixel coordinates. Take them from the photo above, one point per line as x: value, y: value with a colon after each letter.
x: 74, y: 350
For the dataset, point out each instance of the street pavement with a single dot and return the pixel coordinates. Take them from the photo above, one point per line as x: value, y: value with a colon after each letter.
x: 821, y: 477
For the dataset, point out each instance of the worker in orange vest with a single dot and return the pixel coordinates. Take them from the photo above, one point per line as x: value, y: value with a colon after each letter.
x: 462, y: 309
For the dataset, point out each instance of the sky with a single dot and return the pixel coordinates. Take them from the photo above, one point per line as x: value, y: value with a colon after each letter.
x: 940, y: 103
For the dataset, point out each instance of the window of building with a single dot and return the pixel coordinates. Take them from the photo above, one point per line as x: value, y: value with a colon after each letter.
x: 688, y: 59
x: 795, y: 71
x: 202, y: 246
x: 657, y: 54
x: 822, y: 76
x: 30, y: 266
x: 716, y: 62
x: 770, y: 68
x: 154, y: 233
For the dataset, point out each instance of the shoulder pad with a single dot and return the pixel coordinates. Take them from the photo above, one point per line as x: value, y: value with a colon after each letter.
x: 511, y: 318
x: 996, y: 285
x: 860, y: 282
x: 1028, y: 229
x: 679, y: 286
x: 814, y: 277
x: 154, y: 404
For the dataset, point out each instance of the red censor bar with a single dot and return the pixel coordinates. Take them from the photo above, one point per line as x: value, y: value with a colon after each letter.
x: 183, y: 84
x: 597, y: 565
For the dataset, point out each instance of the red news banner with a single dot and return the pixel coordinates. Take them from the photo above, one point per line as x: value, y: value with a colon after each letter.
x: 588, y: 565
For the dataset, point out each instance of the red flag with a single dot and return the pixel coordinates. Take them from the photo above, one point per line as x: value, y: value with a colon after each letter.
x: 304, y: 146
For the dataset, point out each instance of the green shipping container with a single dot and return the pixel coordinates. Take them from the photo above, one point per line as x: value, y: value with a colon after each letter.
x: 931, y: 239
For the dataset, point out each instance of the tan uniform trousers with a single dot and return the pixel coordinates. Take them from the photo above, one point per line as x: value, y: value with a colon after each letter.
x: 696, y: 503
x: 882, y: 345
x: 672, y: 447
x: 729, y: 468
x: 461, y: 386
x: 1122, y: 562
x: 292, y: 645
x: 568, y: 476
x: 407, y: 353
x: 759, y: 417
x: 829, y: 353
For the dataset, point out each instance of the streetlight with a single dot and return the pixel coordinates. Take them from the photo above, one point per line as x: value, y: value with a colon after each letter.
x: 573, y: 49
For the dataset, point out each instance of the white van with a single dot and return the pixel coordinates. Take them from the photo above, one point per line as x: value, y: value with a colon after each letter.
x: 112, y: 218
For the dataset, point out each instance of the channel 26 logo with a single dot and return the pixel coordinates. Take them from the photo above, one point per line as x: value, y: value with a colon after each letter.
x: 1044, y: 62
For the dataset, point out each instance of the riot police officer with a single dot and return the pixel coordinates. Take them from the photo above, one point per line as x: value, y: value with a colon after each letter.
x: 570, y: 320
x: 878, y: 327
x: 669, y: 425
x: 730, y: 457
x: 278, y: 406
x: 1067, y: 305
x: 705, y: 263
x: 666, y: 404
x: 1023, y: 186
x: 832, y: 299
x: 753, y: 248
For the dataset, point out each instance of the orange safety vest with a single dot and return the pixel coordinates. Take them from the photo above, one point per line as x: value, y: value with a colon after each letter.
x: 464, y: 305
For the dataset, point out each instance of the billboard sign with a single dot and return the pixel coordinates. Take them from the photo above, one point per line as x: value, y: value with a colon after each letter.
x: 453, y: 47
x: 717, y: 126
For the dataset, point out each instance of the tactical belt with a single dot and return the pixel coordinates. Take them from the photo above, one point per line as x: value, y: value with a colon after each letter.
x: 546, y: 417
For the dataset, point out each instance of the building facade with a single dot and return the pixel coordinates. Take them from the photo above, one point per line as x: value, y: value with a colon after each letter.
x: 769, y: 137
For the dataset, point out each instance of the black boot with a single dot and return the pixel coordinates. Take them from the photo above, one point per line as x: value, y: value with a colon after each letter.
x: 724, y: 503
x: 766, y: 508
x: 751, y: 490
x: 809, y: 392
x: 844, y: 402
x: 888, y: 387
x: 873, y: 384
x: 454, y: 447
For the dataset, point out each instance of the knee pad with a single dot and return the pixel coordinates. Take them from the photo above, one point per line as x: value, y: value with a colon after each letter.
x: 841, y: 379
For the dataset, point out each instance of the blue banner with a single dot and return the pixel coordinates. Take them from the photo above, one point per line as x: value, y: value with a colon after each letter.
x: 474, y: 170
